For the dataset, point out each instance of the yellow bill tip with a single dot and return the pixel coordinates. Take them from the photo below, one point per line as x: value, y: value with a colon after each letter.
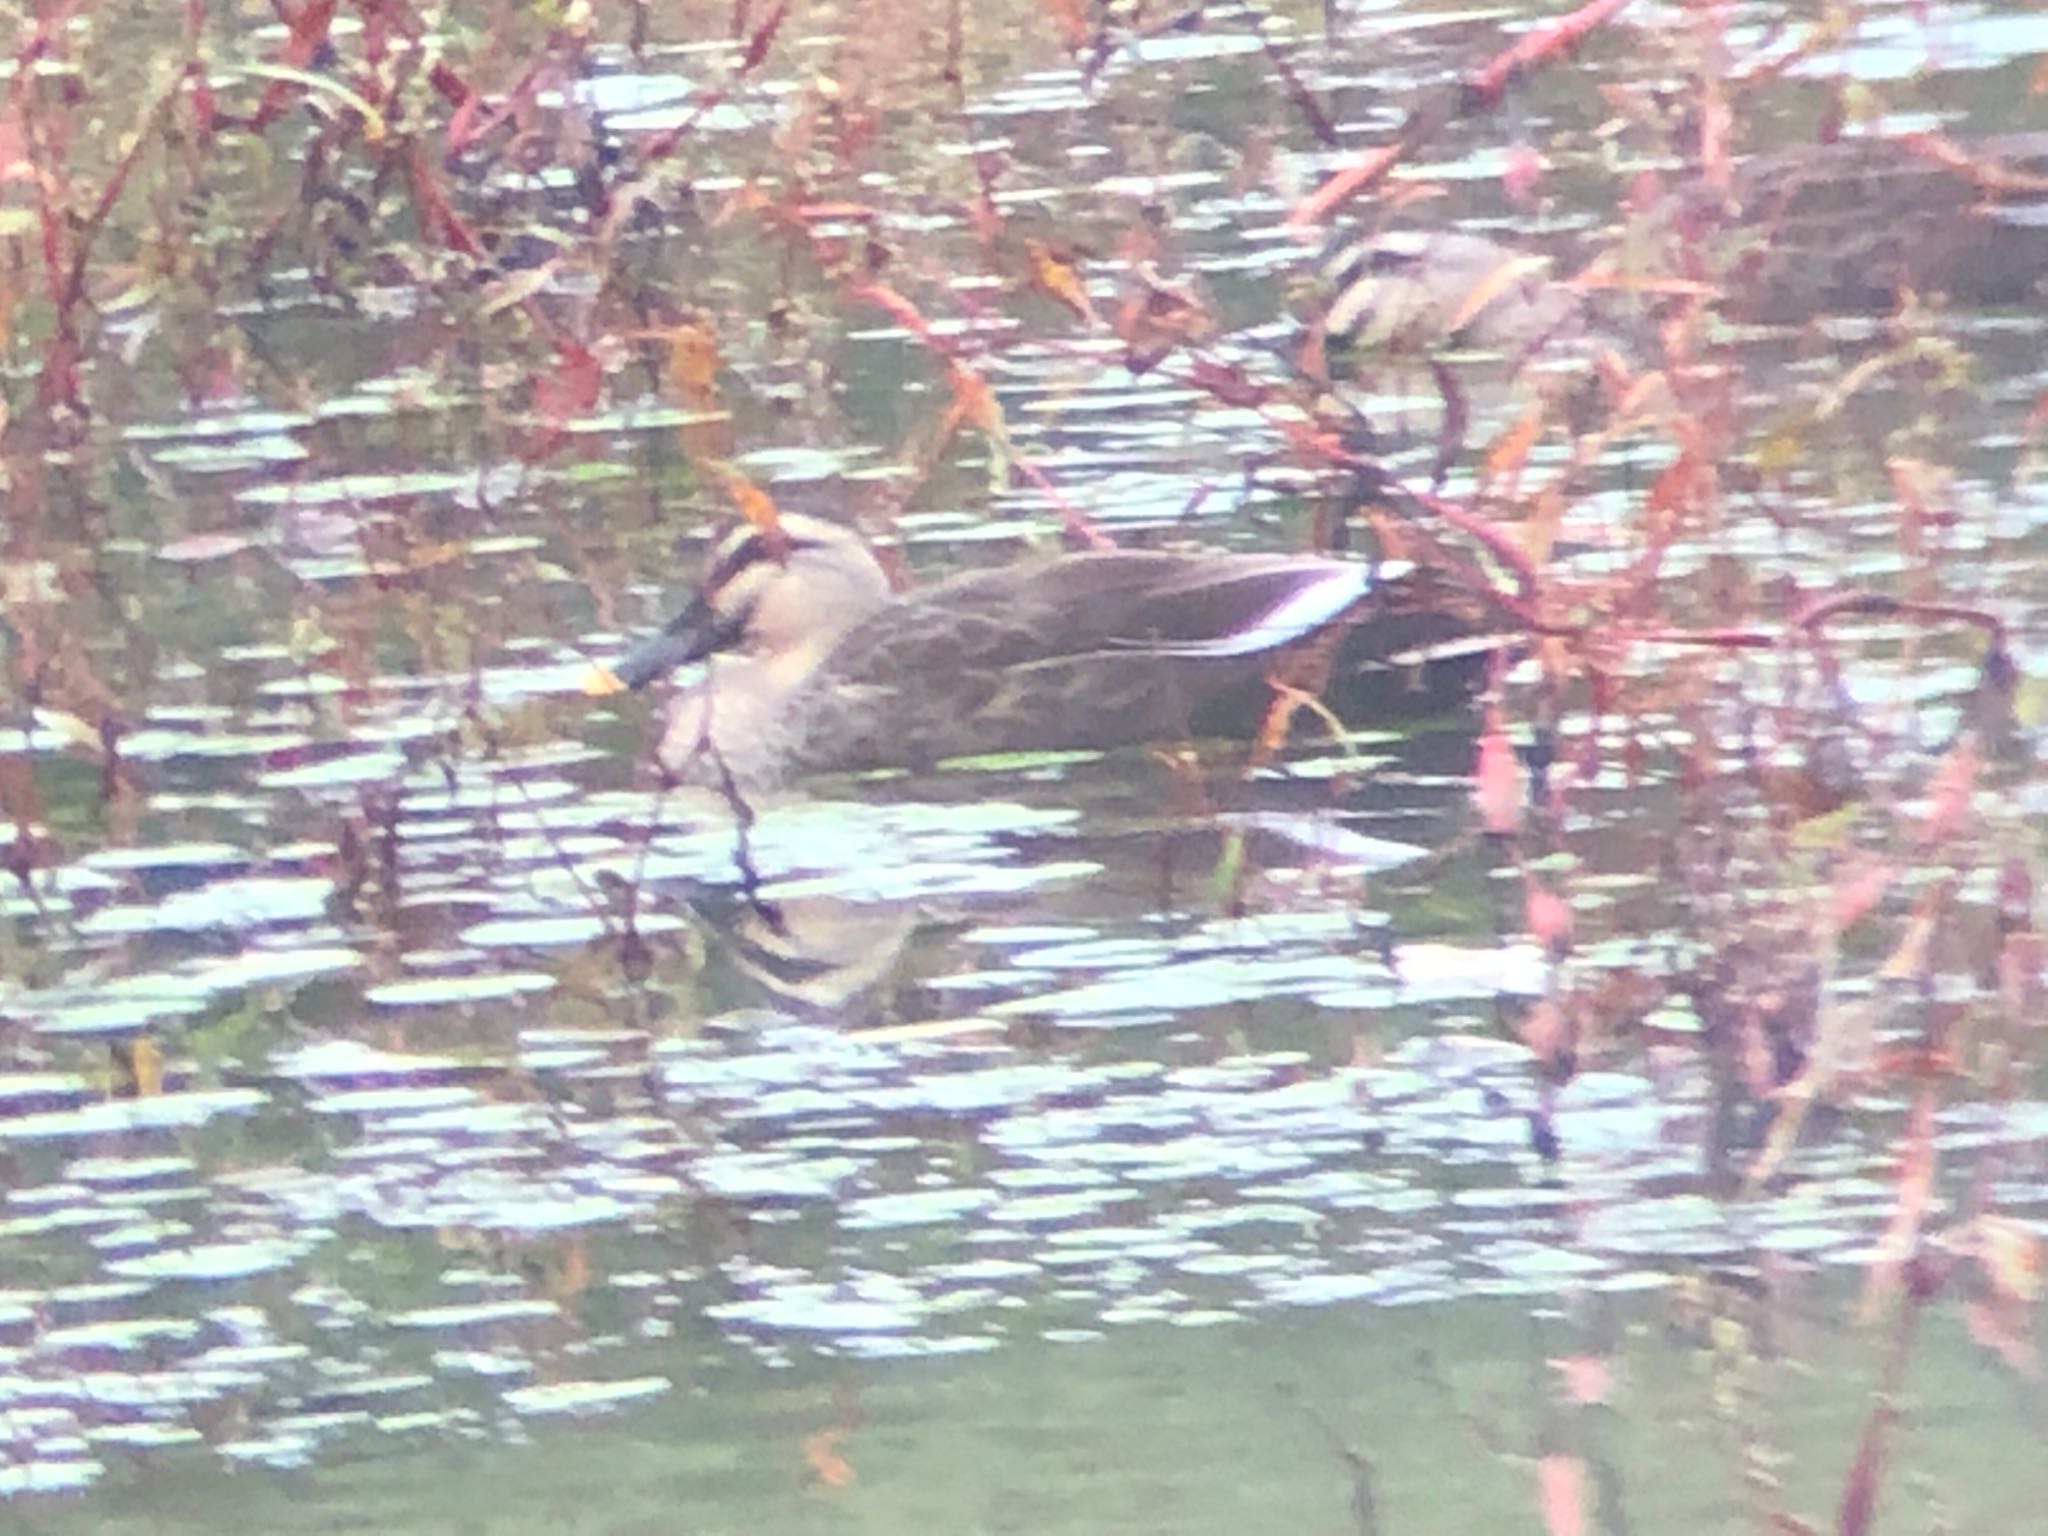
x: 601, y: 682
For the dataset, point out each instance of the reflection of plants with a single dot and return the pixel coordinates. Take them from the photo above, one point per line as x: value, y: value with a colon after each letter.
x: 1834, y: 886
x: 1853, y: 902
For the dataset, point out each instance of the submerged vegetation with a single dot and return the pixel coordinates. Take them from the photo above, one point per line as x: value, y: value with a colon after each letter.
x: 368, y: 369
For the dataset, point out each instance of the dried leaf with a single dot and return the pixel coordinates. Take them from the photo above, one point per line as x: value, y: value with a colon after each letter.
x: 748, y: 499
x: 1070, y: 21
x: 1057, y: 278
x: 822, y: 1456
x: 601, y: 682
x: 1156, y: 319
x: 978, y: 405
x: 138, y: 1068
x: 1491, y: 287
x: 1510, y: 451
x: 693, y: 364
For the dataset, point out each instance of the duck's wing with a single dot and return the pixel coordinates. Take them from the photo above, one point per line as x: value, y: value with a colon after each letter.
x: 1114, y: 605
x: 1095, y: 650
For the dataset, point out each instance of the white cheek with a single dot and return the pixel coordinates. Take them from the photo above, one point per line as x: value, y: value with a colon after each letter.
x: 779, y: 619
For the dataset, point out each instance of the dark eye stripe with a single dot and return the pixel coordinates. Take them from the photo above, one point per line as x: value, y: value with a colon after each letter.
x: 1378, y: 254
x: 734, y: 559
x: 752, y: 548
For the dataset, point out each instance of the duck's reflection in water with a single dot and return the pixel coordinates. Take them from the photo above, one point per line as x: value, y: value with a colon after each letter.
x: 862, y: 960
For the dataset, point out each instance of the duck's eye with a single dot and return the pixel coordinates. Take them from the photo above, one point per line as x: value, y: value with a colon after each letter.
x: 1369, y: 258
x: 730, y: 564
x: 755, y: 549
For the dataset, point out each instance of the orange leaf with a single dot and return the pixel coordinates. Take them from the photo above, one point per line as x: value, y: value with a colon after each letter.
x: 1370, y: 168
x: 1057, y: 278
x: 1510, y: 451
x: 1491, y: 287
x: 424, y: 557
x: 821, y: 1455
x: 977, y: 402
x: 693, y: 366
x: 139, y: 1068
x: 749, y: 500
x: 1155, y: 319
x: 1070, y: 20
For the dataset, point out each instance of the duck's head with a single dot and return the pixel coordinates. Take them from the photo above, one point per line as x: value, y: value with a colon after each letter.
x: 783, y: 596
x: 1420, y: 291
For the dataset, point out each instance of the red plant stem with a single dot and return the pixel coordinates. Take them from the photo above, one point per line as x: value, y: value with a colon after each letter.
x: 73, y: 287
x: 1539, y: 47
x: 662, y: 145
x: 1297, y: 92
x: 1479, y: 91
x: 987, y: 219
x: 1859, y: 1492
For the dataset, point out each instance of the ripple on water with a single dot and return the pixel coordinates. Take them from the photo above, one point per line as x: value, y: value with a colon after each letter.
x: 584, y: 1399
x: 165, y: 1111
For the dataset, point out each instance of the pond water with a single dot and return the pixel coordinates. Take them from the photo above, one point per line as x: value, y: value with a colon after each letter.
x: 1442, y: 1416
x: 414, y: 1117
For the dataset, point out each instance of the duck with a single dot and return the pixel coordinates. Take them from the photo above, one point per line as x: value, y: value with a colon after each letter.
x: 811, y: 663
x: 1844, y: 228
x: 1416, y: 292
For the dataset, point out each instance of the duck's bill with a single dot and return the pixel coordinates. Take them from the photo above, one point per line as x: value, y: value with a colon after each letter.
x: 690, y: 636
